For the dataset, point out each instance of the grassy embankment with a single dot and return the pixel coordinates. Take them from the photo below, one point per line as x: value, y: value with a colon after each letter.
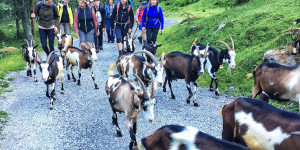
x: 256, y: 27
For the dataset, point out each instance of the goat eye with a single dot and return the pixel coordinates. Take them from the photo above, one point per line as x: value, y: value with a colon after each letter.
x: 145, y: 108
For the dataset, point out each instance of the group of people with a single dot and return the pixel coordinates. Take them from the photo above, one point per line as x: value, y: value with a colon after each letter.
x: 91, y: 20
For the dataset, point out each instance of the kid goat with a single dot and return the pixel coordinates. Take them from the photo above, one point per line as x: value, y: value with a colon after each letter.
x: 277, y: 82
x: 125, y: 97
x: 64, y: 41
x: 260, y: 126
x: 175, y: 137
x: 52, y: 70
x: 184, y: 66
x: 215, y: 59
x: 29, y: 54
x: 82, y: 59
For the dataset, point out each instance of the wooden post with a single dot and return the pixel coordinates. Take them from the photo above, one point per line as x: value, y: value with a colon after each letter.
x: 34, y: 32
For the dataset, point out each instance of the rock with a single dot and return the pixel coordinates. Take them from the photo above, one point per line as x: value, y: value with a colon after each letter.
x: 280, y: 57
x: 9, y: 49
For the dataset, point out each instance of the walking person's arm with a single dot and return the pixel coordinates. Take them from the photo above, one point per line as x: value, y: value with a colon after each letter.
x: 161, y: 14
x: 112, y: 18
x: 95, y: 20
x: 144, y: 20
x: 56, y: 19
x: 35, y: 13
x: 131, y: 20
x: 75, y: 23
x: 103, y: 14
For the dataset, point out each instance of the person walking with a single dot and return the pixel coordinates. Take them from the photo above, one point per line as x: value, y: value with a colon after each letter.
x: 152, y: 20
x: 101, y: 17
x: 65, y: 16
x: 129, y: 1
x: 124, y: 17
x: 85, y: 21
x: 109, y: 9
x: 138, y: 19
x: 47, y: 13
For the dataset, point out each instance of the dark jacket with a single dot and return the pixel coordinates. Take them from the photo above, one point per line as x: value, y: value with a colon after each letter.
x: 47, y: 17
x: 123, y: 16
x: 103, y: 15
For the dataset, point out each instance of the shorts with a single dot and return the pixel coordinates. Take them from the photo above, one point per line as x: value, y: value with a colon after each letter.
x: 87, y: 37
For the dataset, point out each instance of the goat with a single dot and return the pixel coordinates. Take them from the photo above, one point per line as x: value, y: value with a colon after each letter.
x: 151, y: 48
x: 82, y: 59
x: 125, y: 97
x: 259, y: 125
x: 272, y: 80
x: 215, y: 59
x: 128, y: 65
x: 29, y: 54
x: 183, y: 66
x: 130, y: 44
x: 64, y: 41
x: 296, y: 42
x: 176, y: 137
x: 52, y: 69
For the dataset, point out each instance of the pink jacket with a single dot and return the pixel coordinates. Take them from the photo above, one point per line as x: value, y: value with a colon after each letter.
x: 75, y: 24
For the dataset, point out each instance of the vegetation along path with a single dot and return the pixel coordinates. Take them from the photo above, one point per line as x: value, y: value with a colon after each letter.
x: 81, y: 118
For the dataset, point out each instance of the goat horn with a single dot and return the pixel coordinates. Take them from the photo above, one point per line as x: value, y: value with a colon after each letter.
x: 226, y: 45
x: 152, y: 89
x: 27, y: 42
x: 232, y: 43
x: 145, y: 92
x: 31, y: 43
x: 149, y: 54
x: 195, y: 41
x: 206, y: 49
x: 48, y: 58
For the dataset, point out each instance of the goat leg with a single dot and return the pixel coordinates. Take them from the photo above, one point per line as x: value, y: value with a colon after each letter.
x: 170, y: 86
x: 67, y: 68
x: 115, y: 122
x: 29, y: 70
x: 53, y: 95
x: 164, y: 86
x: 73, y: 77
x: 211, y: 88
x: 217, y: 90
x: 190, y: 93
x: 79, y: 76
x: 93, y: 77
x: 47, y: 89
x: 34, y: 71
x: 195, y: 94
x: 62, y: 85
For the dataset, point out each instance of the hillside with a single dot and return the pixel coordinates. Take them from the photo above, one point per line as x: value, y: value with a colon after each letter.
x: 256, y: 27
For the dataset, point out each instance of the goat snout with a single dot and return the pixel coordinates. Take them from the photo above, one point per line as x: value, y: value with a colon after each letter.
x: 232, y: 66
x: 200, y: 73
x: 151, y: 120
x: 160, y: 84
x: 45, y: 79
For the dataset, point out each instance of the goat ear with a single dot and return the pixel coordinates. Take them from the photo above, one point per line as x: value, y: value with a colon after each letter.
x: 134, y: 38
x: 51, y: 61
x: 159, y: 45
x: 148, y: 65
x: 35, y: 46
x: 24, y: 47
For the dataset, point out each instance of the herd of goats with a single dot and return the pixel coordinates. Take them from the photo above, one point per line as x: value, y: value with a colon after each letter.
x: 247, y: 123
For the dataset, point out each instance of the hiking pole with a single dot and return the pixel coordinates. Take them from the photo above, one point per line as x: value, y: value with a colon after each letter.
x: 135, y: 31
x: 34, y: 32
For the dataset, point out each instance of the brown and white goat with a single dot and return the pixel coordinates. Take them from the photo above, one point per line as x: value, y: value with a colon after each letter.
x: 175, y: 137
x: 184, y: 66
x: 64, y: 41
x: 82, y: 59
x: 52, y: 69
x: 128, y: 65
x: 127, y: 98
x: 260, y: 126
x: 29, y: 54
x: 277, y: 81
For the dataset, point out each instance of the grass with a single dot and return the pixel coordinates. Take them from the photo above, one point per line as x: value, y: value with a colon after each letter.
x: 3, y: 121
x: 256, y: 27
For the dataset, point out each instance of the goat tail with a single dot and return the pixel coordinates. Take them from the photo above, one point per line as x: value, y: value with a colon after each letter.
x: 111, y: 68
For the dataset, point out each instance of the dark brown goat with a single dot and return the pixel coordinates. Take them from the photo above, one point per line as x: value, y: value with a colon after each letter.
x: 175, y: 137
x: 260, y: 126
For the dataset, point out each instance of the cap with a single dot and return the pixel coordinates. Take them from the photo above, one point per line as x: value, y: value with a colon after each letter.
x: 144, y: 3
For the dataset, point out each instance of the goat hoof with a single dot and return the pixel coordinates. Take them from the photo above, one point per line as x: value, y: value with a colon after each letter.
x: 96, y: 87
x: 35, y: 80
x: 164, y: 90
x: 119, y: 134
x: 217, y: 93
x: 62, y: 92
x: 173, y: 97
x: 78, y: 82
x: 54, y: 97
x: 69, y: 78
x: 47, y: 94
x: 196, y: 104
x: 51, y: 106
x: 74, y: 79
x: 211, y: 89
x: 188, y: 101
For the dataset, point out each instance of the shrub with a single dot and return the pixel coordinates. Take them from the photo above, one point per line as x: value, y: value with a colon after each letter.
x: 230, y: 3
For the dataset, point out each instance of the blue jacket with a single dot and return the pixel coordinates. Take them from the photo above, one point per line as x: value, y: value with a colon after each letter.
x: 154, y: 20
x: 131, y: 4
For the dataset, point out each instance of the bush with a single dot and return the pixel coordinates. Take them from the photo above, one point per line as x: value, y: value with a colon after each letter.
x: 230, y: 3
x: 180, y: 2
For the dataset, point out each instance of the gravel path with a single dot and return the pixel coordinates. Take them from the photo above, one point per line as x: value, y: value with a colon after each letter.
x: 81, y: 118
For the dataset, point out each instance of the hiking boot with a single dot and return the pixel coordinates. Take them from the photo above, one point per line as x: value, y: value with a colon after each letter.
x: 112, y: 41
x: 140, y: 39
x: 97, y: 50
x: 121, y: 52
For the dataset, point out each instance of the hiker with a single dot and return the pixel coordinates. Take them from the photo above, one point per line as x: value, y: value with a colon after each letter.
x: 151, y: 21
x: 124, y: 17
x: 65, y: 16
x: 101, y: 17
x: 85, y: 18
x: 109, y: 9
x: 47, y: 13
x: 129, y: 1
x: 138, y: 19
x: 91, y: 3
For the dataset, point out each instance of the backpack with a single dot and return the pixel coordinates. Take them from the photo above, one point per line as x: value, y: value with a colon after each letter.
x: 118, y: 6
x: 148, y: 11
x: 52, y: 6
